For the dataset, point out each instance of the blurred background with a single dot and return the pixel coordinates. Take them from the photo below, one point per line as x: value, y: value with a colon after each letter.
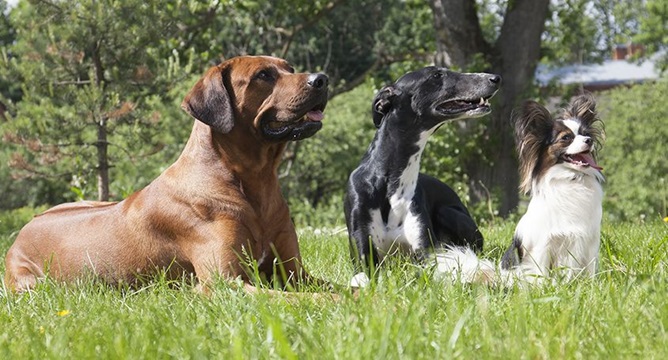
x: 90, y: 91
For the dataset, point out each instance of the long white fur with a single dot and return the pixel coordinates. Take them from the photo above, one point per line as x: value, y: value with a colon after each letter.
x: 560, y: 231
x: 561, y: 228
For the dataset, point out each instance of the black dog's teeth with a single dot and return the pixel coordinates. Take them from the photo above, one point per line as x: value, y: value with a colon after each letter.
x: 482, y: 101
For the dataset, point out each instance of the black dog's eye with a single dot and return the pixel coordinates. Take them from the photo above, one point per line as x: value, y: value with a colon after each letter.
x: 265, y: 75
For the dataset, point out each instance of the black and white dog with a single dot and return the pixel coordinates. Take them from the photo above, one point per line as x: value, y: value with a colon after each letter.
x: 559, y: 235
x: 389, y: 206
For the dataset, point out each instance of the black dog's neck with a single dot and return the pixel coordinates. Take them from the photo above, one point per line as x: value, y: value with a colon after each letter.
x: 395, y: 157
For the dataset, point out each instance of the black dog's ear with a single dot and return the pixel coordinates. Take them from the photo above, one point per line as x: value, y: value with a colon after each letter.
x: 209, y: 102
x: 382, y: 103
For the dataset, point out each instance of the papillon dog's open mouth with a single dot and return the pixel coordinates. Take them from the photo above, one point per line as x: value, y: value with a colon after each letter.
x: 583, y: 159
x: 560, y: 234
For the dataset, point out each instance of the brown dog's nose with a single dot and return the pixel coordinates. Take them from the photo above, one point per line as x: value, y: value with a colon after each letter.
x: 318, y: 80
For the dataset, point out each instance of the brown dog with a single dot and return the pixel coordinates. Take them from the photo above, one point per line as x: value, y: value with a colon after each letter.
x: 217, y: 206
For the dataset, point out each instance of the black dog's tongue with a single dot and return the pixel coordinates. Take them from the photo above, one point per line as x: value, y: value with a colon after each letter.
x: 588, y: 159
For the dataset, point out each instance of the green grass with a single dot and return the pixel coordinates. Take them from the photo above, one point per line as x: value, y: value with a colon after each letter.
x: 621, y: 313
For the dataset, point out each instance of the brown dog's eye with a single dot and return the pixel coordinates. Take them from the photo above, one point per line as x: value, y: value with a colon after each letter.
x: 265, y: 75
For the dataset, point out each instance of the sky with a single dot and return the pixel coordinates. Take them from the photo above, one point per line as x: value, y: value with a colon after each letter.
x: 11, y: 3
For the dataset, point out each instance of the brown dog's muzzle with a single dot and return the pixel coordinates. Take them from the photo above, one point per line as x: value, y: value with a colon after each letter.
x: 307, y: 112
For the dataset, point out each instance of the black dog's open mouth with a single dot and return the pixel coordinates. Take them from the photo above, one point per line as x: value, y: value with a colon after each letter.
x: 458, y: 106
x: 302, y: 126
x: 583, y: 159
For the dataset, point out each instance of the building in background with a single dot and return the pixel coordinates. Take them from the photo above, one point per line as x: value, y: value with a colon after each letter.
x: 623, y: 68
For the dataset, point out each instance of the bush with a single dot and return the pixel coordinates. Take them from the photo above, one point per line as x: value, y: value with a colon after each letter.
x: 634, y: 156
x: 13, y: 220
x: 317, y: 180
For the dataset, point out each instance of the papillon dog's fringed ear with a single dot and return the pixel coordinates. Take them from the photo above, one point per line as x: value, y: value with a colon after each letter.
x: 583, y: 107
x: 382, y: 103
x: 532, y: 121
x: 533, y: 129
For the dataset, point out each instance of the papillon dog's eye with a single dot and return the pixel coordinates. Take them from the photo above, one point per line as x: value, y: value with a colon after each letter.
x: 567, y: 137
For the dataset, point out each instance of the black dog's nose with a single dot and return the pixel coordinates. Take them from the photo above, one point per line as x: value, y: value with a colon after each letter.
x: 495, y: 79
x: 318, y: 80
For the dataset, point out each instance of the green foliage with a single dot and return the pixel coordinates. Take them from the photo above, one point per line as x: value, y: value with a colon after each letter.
x: 634, y: 156
x: 91, y: 75
x: 654, y: 29
x: 11, y: 221
x: 52, y: 138
x: 318, y: 179
x: 568, y: 28
x: 8, y: 89
x: 586, y: 31
x: 7, y: 32
x: 56, y: 97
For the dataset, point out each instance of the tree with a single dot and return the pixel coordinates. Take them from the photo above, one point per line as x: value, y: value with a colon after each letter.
x: 88, y: 70
x: 653, y: 30
x: 98, y: 73
x: 8, y: 90
x: 514, y: 54
x: 7, y: 33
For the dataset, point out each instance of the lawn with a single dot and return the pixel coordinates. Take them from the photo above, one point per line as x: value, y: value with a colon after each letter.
x: 621, y: 313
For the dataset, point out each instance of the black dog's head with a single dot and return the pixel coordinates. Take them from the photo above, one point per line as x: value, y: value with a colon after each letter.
x: 435, y: 95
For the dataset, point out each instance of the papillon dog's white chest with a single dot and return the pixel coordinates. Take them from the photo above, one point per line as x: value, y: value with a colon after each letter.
x: 561, y: 227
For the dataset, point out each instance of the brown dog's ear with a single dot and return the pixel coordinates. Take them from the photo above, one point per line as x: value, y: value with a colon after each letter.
x: 382, y: 103
x: 209, y: 102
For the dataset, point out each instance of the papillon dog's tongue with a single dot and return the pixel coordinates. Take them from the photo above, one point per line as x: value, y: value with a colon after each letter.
x: 315, y: 115
x: 587, y: 158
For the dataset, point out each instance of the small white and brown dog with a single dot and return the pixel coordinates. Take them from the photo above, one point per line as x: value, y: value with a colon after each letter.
x: 559, y: 235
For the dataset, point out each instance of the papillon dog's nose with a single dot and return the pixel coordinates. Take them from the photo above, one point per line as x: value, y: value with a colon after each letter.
x: 588, y: 140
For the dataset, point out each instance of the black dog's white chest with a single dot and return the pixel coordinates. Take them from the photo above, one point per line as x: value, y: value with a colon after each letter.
x: 404, y: 229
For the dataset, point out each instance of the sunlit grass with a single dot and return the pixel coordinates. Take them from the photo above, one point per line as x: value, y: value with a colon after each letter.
x: 621, y: 313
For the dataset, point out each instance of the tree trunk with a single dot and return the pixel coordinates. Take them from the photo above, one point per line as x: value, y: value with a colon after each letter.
x: 102, y: 144
x: 514, y: 56
x: 102, y: 162
x: 458, y: 34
